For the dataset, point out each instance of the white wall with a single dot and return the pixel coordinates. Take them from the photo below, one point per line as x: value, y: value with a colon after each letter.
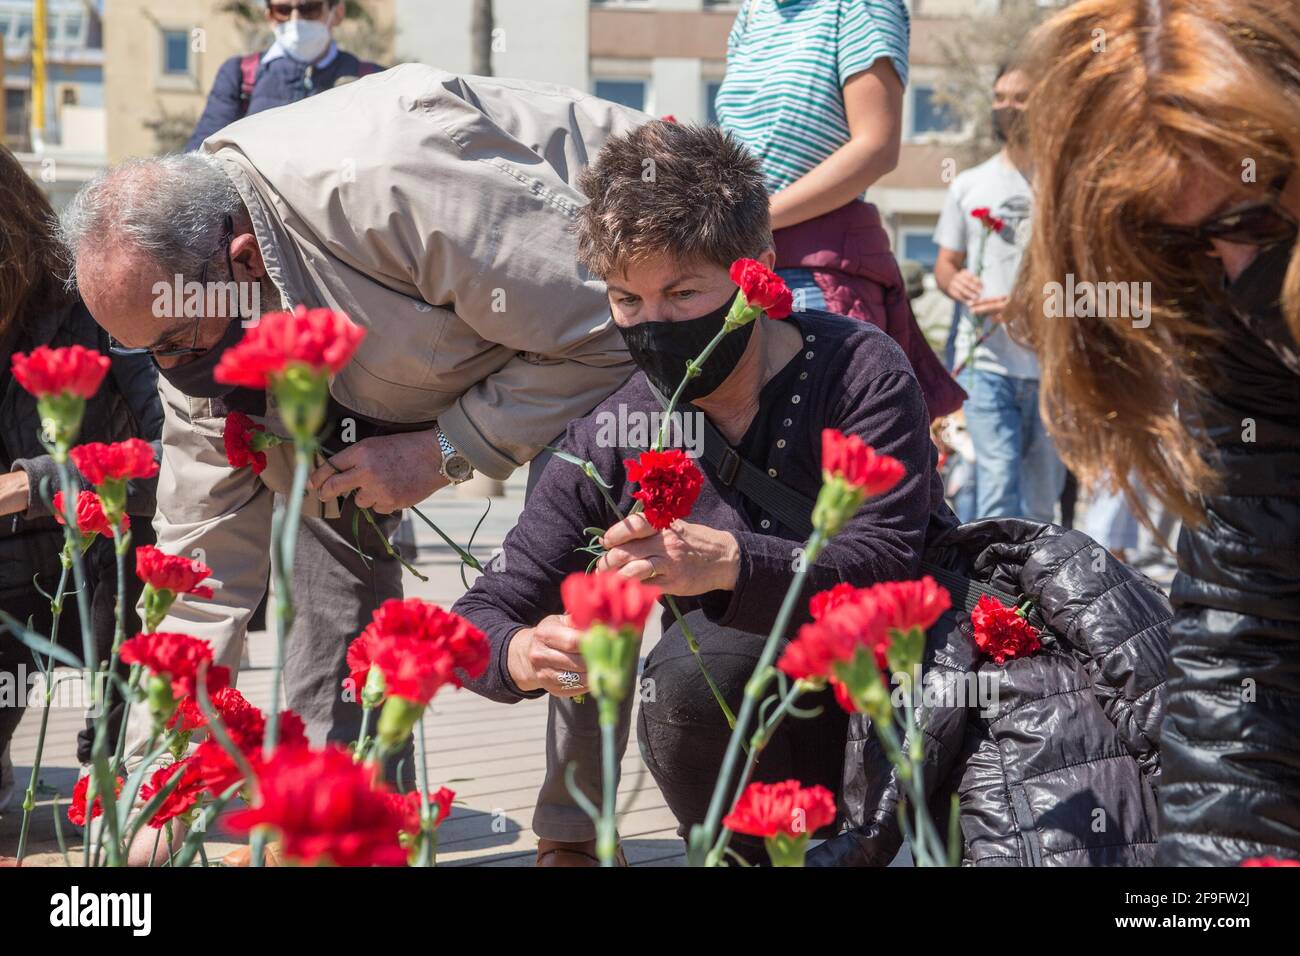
x: 536, y: 39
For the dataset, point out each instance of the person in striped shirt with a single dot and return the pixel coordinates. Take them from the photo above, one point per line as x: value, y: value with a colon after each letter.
x: 814, y: 89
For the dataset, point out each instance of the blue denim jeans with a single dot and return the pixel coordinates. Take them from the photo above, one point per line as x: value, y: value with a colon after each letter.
x: 804, y: 289
x: 1017, y: 471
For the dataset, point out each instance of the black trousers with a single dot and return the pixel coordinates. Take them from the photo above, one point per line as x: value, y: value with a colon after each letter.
x: 683, y: 734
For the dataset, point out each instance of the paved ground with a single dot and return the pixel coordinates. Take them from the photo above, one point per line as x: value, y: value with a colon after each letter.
x: 492, y: 755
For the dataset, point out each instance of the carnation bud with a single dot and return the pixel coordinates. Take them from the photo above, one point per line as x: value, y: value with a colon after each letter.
x: 396, y: 721
x: 610, y: 655
x: 865, y: 685
x: 158, y: 694
x: 787, y: 850
x: 837, y: 502
x: 61, y: 421
x: 301, y: 395
x: 157, y: 604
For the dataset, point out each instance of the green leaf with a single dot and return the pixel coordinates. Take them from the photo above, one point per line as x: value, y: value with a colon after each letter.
x: 39, y: 643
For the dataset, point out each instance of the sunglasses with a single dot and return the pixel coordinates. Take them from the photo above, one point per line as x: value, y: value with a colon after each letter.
x: 309, y: 10
x: 1263, y: 223
x: 116, y: 348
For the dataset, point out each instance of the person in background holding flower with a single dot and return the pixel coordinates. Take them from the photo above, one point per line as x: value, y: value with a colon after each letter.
x: 1172, y: 160
x: 36, y: 310
x: 814, y: 89
x: 666, y: 251
x: 981, y: 236
x: 482, y: 336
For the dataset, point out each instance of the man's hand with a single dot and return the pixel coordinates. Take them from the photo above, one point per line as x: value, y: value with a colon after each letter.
x: 993, y: 308
x: 684, y: 559
x: 389, y: 473
x: 13, y: 492
x: 965, y: 287
x: 538, y: 655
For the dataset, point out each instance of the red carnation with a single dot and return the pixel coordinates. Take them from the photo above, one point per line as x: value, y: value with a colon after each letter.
x: 408, y: 804
x: 326, y: 808
x: 90, y: 514
x: 1002, y: 632
x: 762, y: 288
x: 321, y: 340
x: 669, y: 484
x: 77, y: 809
x: 855, y: 621
x: 823, y: 602
x: 608, y: 598
x: 121, y: 461
x: 227, y: 702
x: 246, y: 727
x: 183, y: 798
x: 769, y: 809
x: 171, y: 572
x: 414, y: 669
x: 1268, y: 861
x: 906, y: 605
x: 452, y: 640
x: 244, y: 440
x: 987, y: 219
x: 850, y: 458
x: 177, y: 658
x: 74, y: 370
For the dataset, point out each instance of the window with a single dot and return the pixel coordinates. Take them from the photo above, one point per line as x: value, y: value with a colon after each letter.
x: 711, y: 100
x: 24, y: 26
x: 176, y: 52
x: 16, y: 118
x: 919, y: 246
x: 929, y: 115
x: 630, y: 93
x: 73, y: 23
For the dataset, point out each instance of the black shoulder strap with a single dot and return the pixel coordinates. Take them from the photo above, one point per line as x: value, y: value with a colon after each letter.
x: 794, y: 510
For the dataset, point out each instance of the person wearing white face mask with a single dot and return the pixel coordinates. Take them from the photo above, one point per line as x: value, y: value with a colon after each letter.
x: 303, y: 60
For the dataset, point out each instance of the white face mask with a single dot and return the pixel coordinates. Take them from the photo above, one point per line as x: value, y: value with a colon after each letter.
x: 304, y: 40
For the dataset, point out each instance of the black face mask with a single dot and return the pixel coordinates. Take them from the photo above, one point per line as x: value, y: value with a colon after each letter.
x: 662, y: 349
x: 195, y: 378
x: 1257, y: 293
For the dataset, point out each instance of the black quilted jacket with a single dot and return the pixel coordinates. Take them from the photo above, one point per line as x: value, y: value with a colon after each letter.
x: 1059, y: 765
x: 1231, y: 737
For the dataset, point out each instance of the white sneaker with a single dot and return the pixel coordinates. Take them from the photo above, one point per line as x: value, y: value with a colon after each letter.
x: 8, y: 785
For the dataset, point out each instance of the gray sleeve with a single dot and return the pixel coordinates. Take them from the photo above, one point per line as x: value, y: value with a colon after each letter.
x: 950, y: 232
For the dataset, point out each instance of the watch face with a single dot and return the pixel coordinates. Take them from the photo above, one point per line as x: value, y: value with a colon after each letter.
x: 458, y: 468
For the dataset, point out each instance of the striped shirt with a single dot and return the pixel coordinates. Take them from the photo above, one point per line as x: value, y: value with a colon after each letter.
x: 787, y: 63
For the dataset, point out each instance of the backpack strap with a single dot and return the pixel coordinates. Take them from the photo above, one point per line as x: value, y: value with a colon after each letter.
x: 248, y: 66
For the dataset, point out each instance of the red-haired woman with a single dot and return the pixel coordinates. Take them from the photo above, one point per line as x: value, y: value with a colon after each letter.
x: 1165, y: 136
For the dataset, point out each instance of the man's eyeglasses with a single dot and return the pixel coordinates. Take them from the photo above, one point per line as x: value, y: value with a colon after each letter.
x: 1263, y: 223
x: 309, y: 10
x: 116, y: 348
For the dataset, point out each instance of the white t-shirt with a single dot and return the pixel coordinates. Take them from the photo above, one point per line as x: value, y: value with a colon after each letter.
x: 998, y: 185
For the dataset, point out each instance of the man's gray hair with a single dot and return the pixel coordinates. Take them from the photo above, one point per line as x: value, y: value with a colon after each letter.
x: 171, y: 208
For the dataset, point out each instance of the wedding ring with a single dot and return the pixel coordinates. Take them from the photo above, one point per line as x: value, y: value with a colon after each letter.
x: 654, y: 572
x: 569, y: 678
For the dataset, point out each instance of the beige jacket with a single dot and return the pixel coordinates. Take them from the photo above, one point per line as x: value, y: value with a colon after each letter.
x: 437, y: 211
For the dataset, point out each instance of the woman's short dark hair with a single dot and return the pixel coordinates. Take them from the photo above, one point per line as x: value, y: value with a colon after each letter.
x: 693, y: 192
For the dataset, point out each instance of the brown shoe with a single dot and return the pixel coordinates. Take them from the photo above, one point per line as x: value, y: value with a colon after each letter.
x: 243, y: 856
x: 558, y: 853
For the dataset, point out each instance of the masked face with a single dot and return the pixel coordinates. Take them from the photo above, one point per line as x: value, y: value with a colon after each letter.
x: 661, y: 349
x: 194, y: 378
x: 304, y: 40
x: 1257, y: 291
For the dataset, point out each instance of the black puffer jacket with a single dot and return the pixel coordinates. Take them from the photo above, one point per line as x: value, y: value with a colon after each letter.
x: 1055, y: 762
x: 1231, y: 738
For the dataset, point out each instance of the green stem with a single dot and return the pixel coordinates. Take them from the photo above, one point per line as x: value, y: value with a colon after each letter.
x: 694, y: 645
x: 388, y: 545
x: 762, y: 737
x: 465, y: 556
x: 704, y: 836
x: 426, y: 822
x: 284, y: 540
x: 29, y: 797
x: 607, y: 825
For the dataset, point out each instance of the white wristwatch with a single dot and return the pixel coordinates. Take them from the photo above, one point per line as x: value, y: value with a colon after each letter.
x: 455, y: 466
